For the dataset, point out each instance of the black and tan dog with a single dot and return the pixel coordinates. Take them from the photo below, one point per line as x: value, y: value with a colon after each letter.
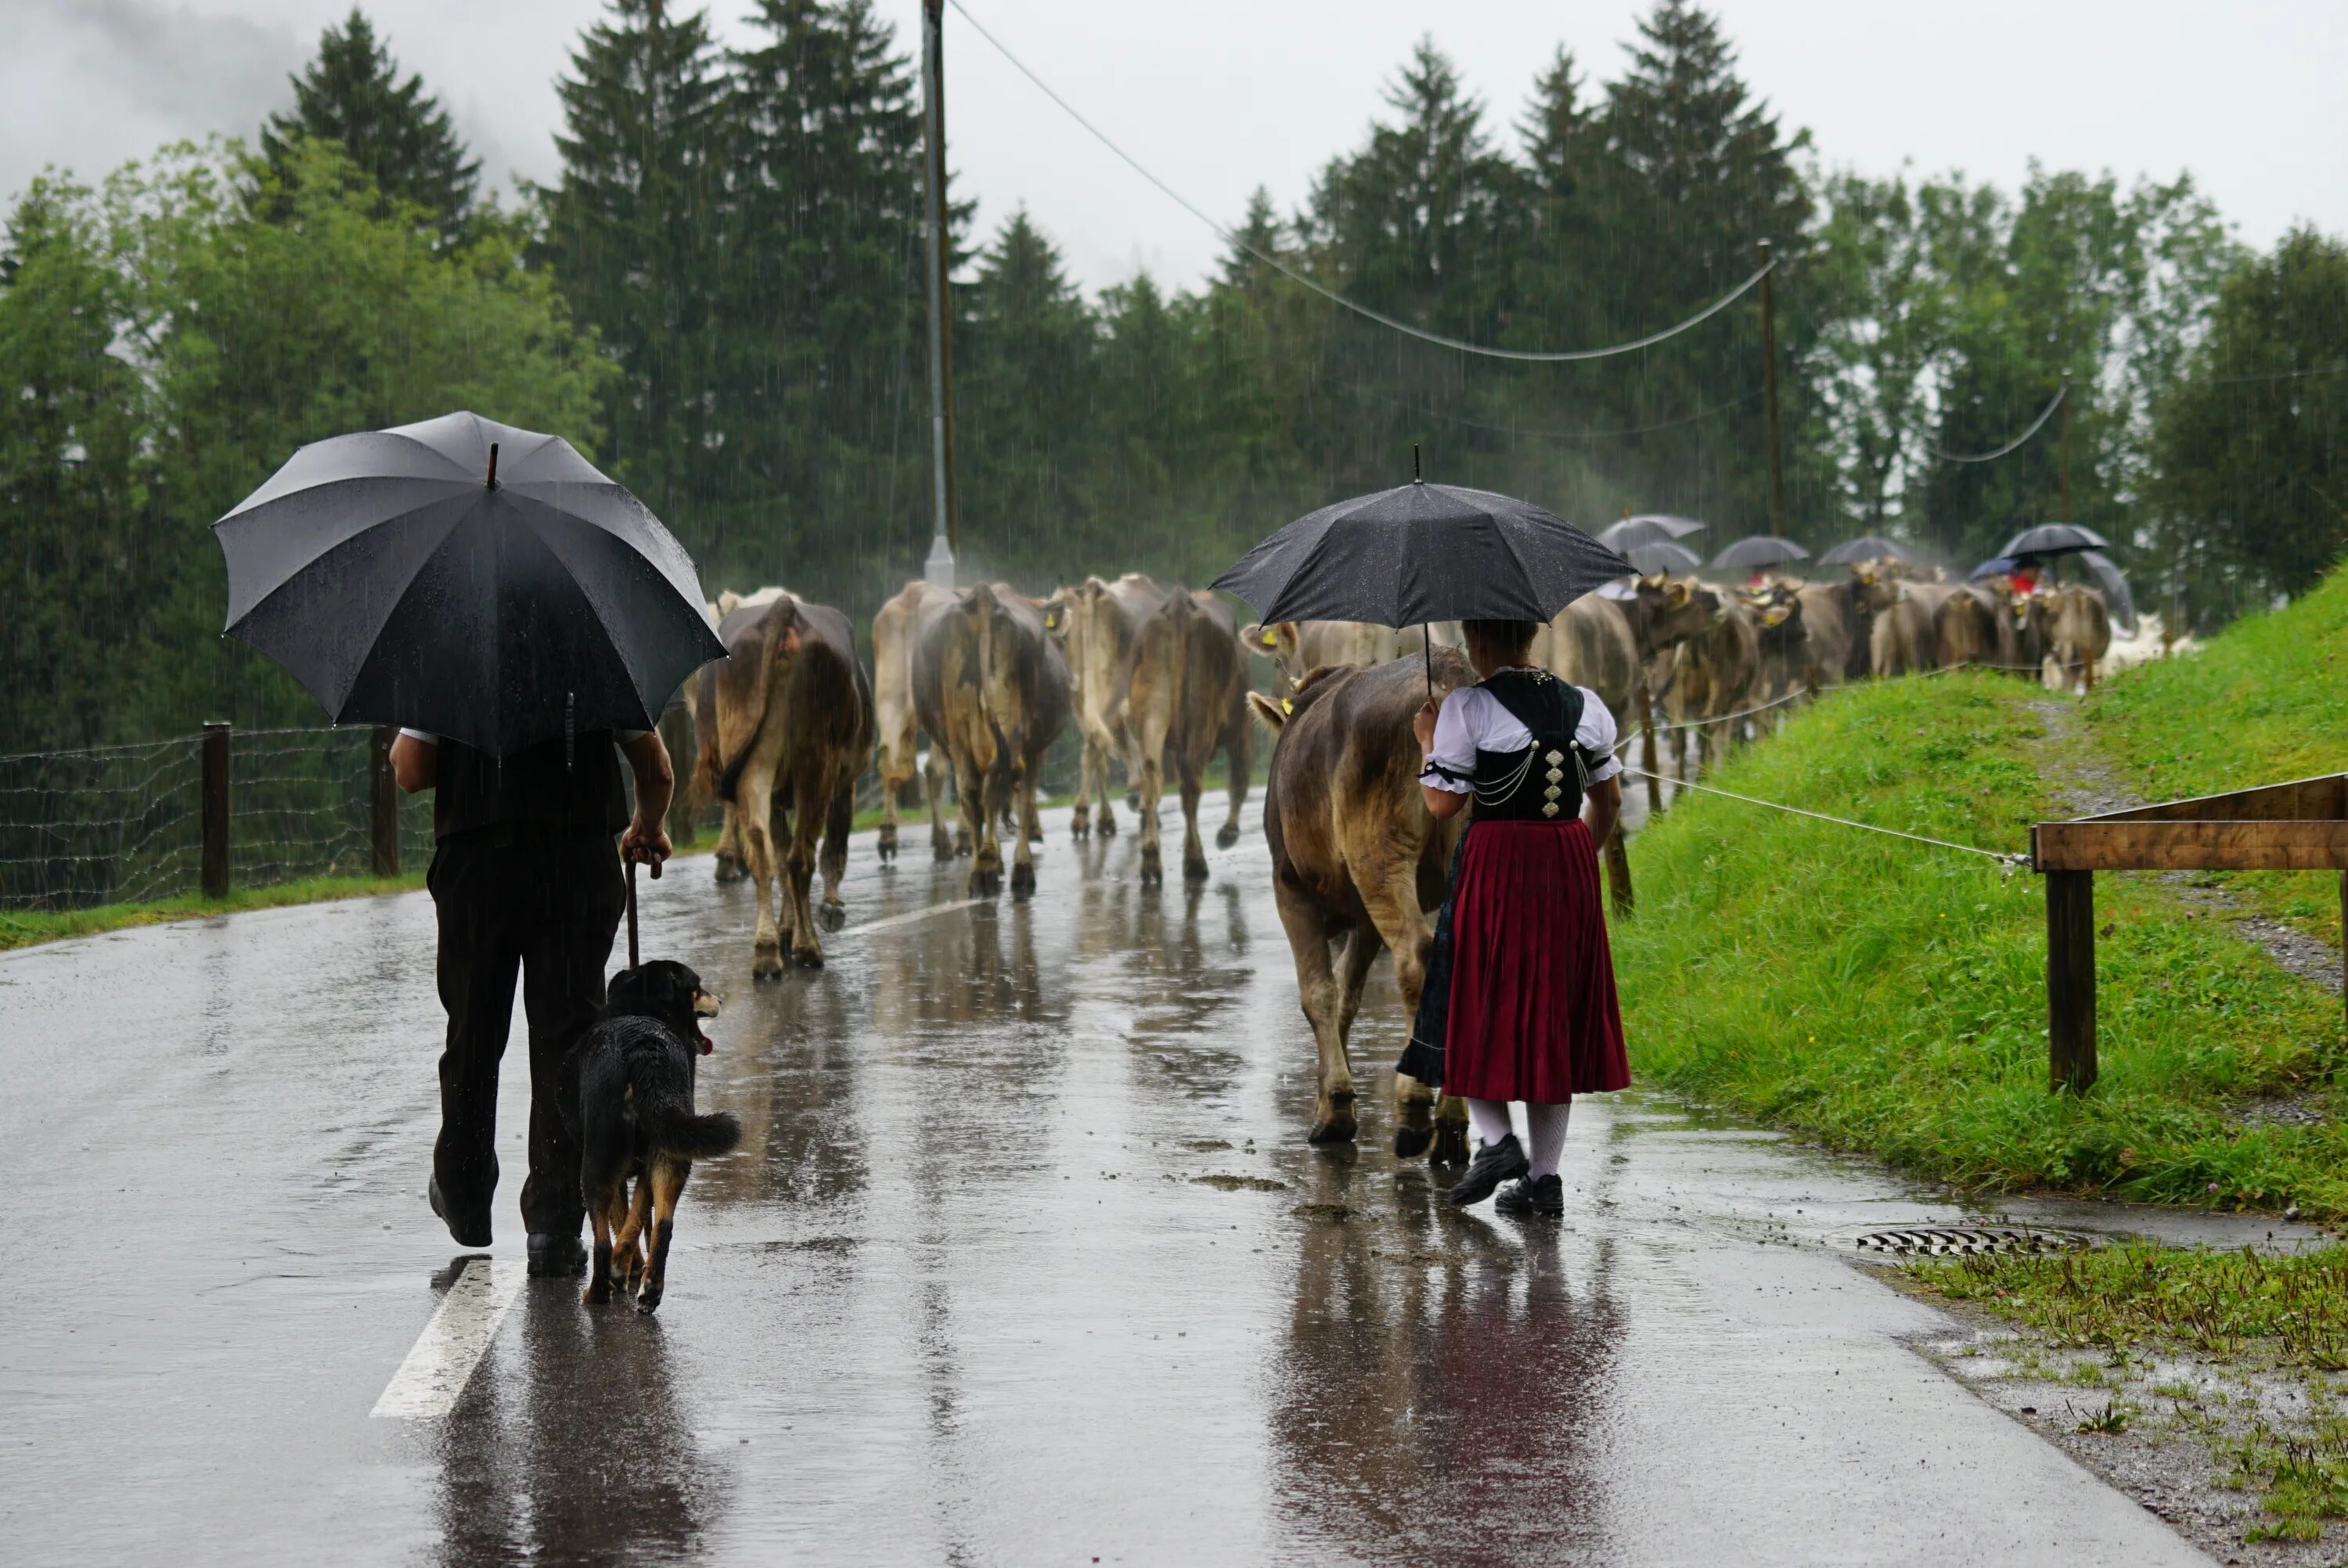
x: 636, y: 1121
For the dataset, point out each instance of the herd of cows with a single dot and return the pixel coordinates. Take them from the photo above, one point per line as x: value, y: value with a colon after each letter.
x: 1158, y: 679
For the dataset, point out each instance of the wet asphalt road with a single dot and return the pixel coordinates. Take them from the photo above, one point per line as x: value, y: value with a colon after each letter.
x: 1024, y: 1261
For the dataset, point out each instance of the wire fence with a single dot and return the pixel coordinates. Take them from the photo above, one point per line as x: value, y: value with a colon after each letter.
x: 124, y: 825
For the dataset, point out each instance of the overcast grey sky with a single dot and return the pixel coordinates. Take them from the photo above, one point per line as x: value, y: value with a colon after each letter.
x: 1219, y: 95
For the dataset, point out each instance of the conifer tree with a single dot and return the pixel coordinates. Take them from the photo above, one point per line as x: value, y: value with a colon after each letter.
x: 392, y: 131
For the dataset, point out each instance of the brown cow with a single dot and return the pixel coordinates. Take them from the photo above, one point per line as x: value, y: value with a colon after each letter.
x: 1830, y: 617
x: 1356, y: 855
x: 1906, y: 639
x: 1297, y: 647
x: 1714, y: 674
x: 895, y: 631
x: 728, y: 863
x: 1590, y: 643
x: 2082, y: 634
x: 1094, y: 623
x: 992, y: 688
x: 793, y: 729
x: 1186, y: 698
x: 1784, y: 631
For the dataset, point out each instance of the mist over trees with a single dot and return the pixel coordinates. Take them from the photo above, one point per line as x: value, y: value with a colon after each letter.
x: 720, y: 301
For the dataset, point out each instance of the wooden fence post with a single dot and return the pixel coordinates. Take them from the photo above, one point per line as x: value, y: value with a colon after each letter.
x: 383, y: 802
x: 1618, y: 871
x: 215, y: 808
x: 1650, y: 754
x: 684, y: 804
x: 2071, y: 980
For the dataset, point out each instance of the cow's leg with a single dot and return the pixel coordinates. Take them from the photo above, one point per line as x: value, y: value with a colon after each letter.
x: 1089, y: 763
x: 729, y: 843
x: 837, y: 822
x: 1239, y: 757
x: 934, y: 791
x: 798, y: 864
x: 1121, y: 743
x: 975, y: 791
x: 1150, y: 745
x: 754, y: 815
x: 1022, y: 794
x: 1322, y: 995
x: 1194, y: 849
x: 1390, y: 893
x: 892, y: 779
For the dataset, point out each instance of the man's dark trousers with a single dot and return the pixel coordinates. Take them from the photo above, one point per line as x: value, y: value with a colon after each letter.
x: 545, y: 901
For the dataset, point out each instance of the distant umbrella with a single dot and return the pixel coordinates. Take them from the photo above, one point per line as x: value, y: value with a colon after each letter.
x: 1647, y: 529
x: 480, y: 581
x: 2054, y: 540
x: 1867, y: 547
x: 2117, y: 597
x: 1996, y: 565
x: 1754, y: 553
x: 1662, y: 556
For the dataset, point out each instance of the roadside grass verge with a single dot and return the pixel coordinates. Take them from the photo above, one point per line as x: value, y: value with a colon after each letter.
x: 25, y: 927
x: 2265, y: 701
x: 2276, y: 1319
x: 1886, y: 997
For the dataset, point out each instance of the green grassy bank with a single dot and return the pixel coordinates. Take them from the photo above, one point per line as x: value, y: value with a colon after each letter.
x: 2265, y: 701
x: 23, y: 929
x: 1883, y: 996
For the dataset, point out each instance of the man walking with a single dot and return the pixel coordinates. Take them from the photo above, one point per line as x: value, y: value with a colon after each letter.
x: 523, y: 880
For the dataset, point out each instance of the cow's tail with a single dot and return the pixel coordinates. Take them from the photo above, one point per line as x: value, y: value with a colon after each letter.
x: 668, y: 1116
x: 706, y: 770
x: 730, y: 778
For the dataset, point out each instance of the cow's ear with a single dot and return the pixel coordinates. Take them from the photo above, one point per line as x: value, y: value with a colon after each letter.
x: 1676, y: 594
x: 1286, y: 632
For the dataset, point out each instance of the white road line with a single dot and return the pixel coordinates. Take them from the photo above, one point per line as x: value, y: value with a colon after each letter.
x: 441, y: 1363
x: 911, y: 916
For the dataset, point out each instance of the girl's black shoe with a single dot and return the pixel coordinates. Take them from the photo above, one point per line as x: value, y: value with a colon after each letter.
x: 1542, y: 1196
x: 1493, y: 1163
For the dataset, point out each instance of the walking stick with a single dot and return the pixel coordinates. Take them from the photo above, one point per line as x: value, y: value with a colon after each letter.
x: 632, y: 915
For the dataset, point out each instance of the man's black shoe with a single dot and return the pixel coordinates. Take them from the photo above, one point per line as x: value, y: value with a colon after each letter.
x: 468, y: 1232
x: 1493, y: 1163
x: 1533, y: 1195
x: 555, y: 1255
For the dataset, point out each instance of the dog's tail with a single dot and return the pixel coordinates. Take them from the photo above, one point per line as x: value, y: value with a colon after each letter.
x: 668, y: 1116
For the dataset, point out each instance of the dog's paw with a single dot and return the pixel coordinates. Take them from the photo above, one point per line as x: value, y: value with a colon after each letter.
x: 648, y: 1303
x: 597, y: 1293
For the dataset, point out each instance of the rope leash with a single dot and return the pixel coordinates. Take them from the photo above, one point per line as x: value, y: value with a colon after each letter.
x: 1723, y: 719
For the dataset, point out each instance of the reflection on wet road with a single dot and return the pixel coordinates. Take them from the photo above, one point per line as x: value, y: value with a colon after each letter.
x: 1024, y: 1260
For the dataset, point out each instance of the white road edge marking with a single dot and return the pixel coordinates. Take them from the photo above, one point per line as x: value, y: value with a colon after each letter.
x: 923, y: 913
x: 429, y: 1381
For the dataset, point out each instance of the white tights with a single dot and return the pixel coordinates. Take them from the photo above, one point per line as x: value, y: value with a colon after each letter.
x: 1544, y: 1129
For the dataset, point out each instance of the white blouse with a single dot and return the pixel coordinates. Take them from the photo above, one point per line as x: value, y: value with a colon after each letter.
x: 1472, y: 719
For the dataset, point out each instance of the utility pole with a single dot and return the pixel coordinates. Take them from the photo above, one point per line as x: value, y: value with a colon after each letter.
x: 940, y: 567
x: 2066, y: 448
x: 1770, y: 393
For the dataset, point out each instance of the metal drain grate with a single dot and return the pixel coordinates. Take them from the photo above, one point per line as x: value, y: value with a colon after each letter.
x: 1959, y: 1241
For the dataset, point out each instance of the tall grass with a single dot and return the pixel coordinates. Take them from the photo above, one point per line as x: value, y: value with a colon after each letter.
x: 1884, y: 996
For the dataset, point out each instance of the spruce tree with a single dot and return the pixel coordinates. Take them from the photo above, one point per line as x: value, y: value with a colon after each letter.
x: 393, y: 131
x: 636, y: 233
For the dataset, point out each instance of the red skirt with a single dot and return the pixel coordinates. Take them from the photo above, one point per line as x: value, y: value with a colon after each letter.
x: 1533, y: 1014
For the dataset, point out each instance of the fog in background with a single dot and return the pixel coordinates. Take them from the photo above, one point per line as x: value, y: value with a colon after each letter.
x: 1219, y: 97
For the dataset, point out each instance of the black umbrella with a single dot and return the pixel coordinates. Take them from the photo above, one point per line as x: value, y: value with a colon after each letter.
x: 1662, y: 556
x: 1996, y: 565
x: 467, y: 577
x: 1651, y: 528
x: 1867, y: 547
x: 1419, y: 553
x: 2054, y: 540
x: 2117, y: 598
x: 1760, y: 550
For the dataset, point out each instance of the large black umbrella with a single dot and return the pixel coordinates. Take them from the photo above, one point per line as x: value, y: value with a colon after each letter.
x: 467, y: 577
x: 1754, y: 553
x: 1662, y: 556
x: 1867, y: 547
x: 1649, y: 527
x: 1422, y: 552
x: 2054, y: 540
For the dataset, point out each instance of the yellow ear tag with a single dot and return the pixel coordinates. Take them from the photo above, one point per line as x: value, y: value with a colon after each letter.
x: 1271, y: 639
x: 1287, y: 706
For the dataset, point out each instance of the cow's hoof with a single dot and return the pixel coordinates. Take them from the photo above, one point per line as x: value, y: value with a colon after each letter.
x: 887, y: 846
x: 1194, y: 870
x: 943, y: 849
x: 1227, y: 835
x: 808, y: 958
x: 1080, y: 830
x: 985, y: 884
x: 1022, y: 878
x: 1133, y: 800
x: 1153, y: 870
x: 1410, y: 1142
x: 832, y: 916
x: 728, y: 869
x: 1338, y: 1127
x: 1450, y: 1143
x: 1109, y: 825
x: 767, y: 961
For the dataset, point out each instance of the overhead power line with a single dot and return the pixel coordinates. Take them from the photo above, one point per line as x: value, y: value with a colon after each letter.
x: 2035, y: 425
x: 1232, y: 239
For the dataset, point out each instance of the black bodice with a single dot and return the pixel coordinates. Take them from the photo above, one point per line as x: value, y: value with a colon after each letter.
x: 1544, y: 782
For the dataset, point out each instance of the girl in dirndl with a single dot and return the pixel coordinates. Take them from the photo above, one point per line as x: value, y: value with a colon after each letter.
x: 1519, y: 1002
